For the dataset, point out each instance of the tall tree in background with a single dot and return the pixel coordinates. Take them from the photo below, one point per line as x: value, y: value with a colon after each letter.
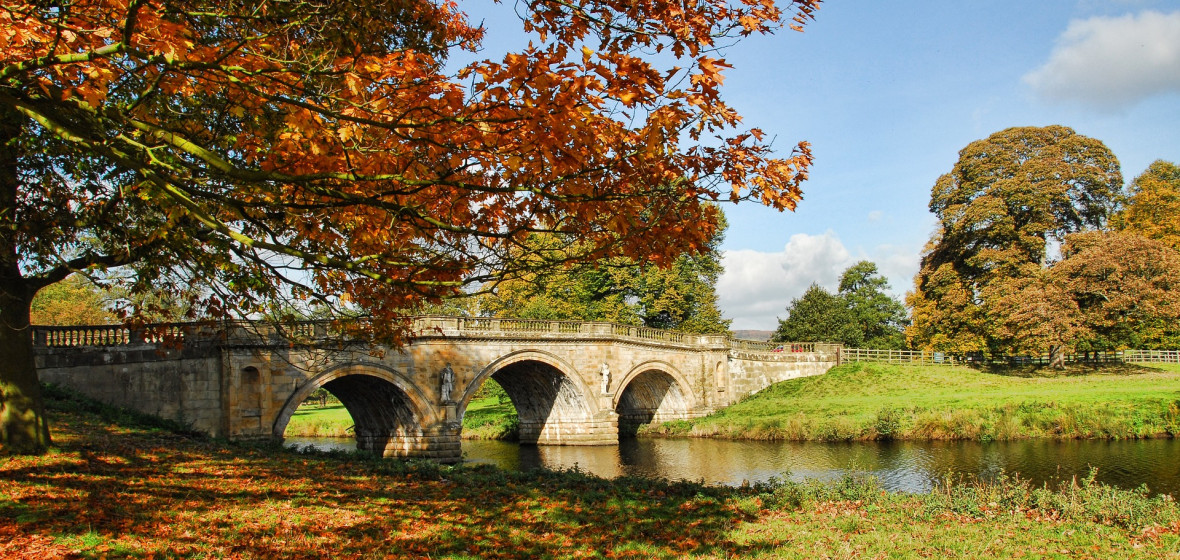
x: 882, y: 319
x: 819, y: 316
x: 680, y: 297
x: 1126, y: 288
x: 73, y: 301
x: 1153, y: 206
x: 859, y: 314
x: 1008, y: 198
x: 238, y: 152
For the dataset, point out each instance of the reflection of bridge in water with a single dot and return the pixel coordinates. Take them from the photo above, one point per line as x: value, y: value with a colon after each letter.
x: 572, y: 383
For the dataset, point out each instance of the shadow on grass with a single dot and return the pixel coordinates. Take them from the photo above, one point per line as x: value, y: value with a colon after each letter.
x: 1070, y: 370
x: 136, y: 491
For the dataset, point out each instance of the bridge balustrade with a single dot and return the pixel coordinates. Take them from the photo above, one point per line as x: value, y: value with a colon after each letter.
x: 179, y: 333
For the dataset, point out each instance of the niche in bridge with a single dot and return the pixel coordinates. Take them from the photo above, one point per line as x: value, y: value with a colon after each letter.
x: 652, y: 396
x: 545, y: 399
x: 368, y: 408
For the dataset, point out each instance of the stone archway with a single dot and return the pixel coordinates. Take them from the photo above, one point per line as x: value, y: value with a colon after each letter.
x: 553, y: 404
x: 652, y: 392
x: 392, y: 418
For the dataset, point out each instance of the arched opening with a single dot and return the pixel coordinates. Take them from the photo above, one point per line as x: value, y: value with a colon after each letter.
x: 651, y: 396
x: 491, y: 415
x: 549, y: 406
x: 366, y: 408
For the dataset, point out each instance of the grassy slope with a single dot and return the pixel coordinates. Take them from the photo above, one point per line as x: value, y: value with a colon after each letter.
x: 873, y: 401
x: 486, y: 418
x: 121, y: 489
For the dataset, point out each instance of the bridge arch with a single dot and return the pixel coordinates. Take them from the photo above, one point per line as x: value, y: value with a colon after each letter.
x: 553, y: 403
x: 390, y: 413
x: 653, y: 391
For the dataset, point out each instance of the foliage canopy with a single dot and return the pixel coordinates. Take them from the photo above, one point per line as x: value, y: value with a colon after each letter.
x: 239, y: 152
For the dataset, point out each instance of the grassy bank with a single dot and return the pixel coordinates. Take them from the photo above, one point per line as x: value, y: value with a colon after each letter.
x: 119, y: 488
x: 486, y: 418
x: 872, y: 401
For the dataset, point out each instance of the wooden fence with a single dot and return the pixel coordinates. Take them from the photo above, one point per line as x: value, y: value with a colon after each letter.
x: 1152, y: 356
x: 923, y: 357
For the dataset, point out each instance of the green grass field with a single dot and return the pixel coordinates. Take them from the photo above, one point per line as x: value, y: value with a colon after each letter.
x: 486, y: 418
x: 121, y: 485
x: 871, y: 401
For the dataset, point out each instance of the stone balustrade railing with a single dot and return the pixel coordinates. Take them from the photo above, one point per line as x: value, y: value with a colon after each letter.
x: 426, y: 326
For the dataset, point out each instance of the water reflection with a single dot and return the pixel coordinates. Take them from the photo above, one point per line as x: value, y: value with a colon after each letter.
x: 900, y: 466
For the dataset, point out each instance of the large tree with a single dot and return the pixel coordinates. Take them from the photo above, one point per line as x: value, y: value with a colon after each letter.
x: 819, y: 316
x: 881, y: 317
x: 682, y: 296
x: 1008, y: 200
x: 1126, y: 288
x: 1153, y: 205
x: 859, y: 314
x: 240, y: 151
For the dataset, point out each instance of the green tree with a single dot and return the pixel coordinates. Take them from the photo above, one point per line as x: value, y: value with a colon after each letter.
x: 73, y: 301
x: 819, y: 316
x: 881, y: 317
x: 1153, y: 207
x: 1006, y: 200
x: 240, y: 152
x: 680, y: 297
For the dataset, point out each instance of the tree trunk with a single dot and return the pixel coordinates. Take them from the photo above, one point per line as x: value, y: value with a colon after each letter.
x: 23, y: 426
x: 1057, y: 356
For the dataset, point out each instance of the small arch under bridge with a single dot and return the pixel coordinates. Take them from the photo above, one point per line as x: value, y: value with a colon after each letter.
x: 572, y: 383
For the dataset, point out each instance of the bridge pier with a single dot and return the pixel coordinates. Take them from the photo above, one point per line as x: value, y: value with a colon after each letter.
x: 602, y: 429
x: 440, y: 443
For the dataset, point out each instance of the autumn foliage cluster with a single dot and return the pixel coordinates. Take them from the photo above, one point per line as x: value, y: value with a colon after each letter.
x: 1040, y: 250
x: 236, y: 153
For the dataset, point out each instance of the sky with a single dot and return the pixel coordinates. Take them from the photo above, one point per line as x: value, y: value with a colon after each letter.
x: 888, y: 93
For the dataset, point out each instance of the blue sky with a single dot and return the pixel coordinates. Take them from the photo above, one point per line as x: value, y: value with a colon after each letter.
x: 889, y: 92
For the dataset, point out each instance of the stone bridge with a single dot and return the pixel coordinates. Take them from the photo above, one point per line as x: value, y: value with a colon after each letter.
x: 572, y: 383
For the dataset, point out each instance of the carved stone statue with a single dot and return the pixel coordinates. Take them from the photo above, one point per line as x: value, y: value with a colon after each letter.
x: 604, y: 371
x: 448, y: 384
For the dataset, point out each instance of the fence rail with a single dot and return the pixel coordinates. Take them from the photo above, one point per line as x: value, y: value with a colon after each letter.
x: 1152, y: 356
x: 922, y: 357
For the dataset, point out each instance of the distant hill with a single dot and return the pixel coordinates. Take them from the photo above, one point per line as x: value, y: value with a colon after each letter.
x: 752, y: 335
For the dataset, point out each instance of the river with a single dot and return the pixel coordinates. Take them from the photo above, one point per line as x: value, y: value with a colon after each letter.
x: 899, y: 466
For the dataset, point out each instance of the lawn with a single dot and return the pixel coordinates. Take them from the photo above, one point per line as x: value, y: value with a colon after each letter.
x: 872, y: 401
x: 120, y: 486
x: 486, y: 418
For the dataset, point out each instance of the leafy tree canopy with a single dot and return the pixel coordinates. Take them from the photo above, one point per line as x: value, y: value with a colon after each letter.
x: 860, y: 314
x: 237, y: 152
x: 681, y: 297
x: 73, y: 301
x: 1153, y: 209
x: 1006, y: 199
x: 881, y: 317
x: 819, y: 316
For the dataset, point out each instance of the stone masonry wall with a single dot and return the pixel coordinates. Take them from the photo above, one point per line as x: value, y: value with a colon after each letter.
x: 177, y: 384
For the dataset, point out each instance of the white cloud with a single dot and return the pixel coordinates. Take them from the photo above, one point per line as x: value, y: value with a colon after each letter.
x: 757, y: 286
x: 1113, y: 62
x: 876, y: 215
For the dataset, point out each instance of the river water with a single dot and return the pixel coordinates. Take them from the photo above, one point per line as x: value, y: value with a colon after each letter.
x: 899, y: 466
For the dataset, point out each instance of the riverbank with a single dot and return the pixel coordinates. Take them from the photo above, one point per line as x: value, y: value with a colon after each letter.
x: 866, y: 401
x: 120, y: 485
